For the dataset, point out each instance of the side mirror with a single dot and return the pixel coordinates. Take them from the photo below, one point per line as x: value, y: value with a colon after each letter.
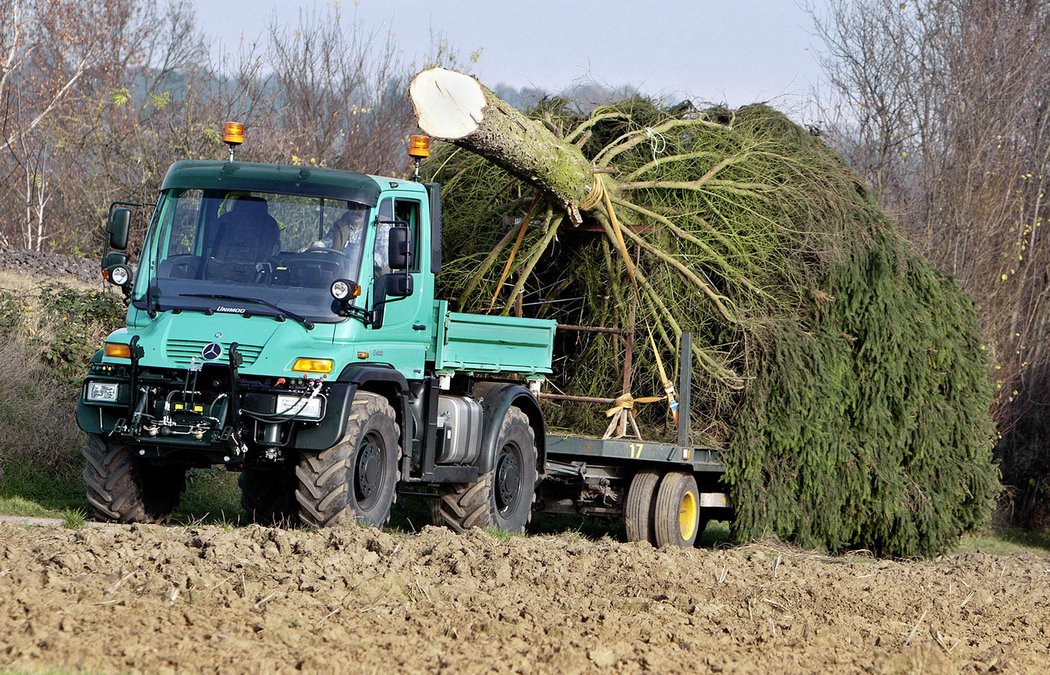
x: 399, y: 285
x: 113, y: 258
x: 118, y: 225
x: 399, y: 249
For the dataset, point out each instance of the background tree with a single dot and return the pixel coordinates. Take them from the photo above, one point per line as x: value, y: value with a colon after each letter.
x: 943, y: 106
x: 48, y: 49
x: 98, y: 97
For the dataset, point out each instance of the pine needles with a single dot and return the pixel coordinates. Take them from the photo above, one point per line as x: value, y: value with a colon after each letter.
x: 849, y: 372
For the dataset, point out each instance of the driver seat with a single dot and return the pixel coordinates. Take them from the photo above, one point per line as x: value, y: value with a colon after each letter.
x: 247, y: 232
x: 245, y: 235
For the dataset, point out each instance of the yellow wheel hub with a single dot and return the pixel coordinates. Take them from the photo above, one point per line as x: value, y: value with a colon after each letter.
x: 687, y: 513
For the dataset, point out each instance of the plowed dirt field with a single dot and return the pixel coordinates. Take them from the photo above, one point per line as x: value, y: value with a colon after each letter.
x: 209, y: 599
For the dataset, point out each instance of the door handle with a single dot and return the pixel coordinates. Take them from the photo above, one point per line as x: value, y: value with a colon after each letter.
x: 419, y: 326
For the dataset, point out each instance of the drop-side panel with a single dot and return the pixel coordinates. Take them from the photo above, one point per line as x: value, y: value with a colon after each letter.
x: 492, y: 344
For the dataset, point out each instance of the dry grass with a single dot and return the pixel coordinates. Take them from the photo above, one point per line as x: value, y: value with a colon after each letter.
x: 19, y: 282
x: 40, y: 442
x: 37, y: 420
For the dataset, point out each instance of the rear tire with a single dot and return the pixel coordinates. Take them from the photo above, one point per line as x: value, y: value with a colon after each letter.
x: 268, y: 495
x: 640, y: 507
x: 354, y: 479
x: 123, y: 489
x: 677, y: 516
x: 501, y: 498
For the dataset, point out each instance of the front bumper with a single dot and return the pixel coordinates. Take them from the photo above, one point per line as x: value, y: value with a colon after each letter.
x: 212, y: 415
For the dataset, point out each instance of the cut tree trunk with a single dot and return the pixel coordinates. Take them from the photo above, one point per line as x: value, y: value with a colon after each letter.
x: 455, y: 107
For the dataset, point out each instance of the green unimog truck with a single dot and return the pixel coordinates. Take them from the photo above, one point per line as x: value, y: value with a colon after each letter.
x: 282, y: 322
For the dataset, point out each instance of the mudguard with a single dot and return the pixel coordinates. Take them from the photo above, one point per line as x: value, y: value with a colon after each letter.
x: 360, y: 373
x: 496, y: 398
x: 381, y: 379
x: 96, y: 419
x: 332, y: 426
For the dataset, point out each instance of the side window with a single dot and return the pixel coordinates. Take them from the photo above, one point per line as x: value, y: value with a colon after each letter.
x: 382, y: 241
x: 184, y: 224
x: 407, y: 210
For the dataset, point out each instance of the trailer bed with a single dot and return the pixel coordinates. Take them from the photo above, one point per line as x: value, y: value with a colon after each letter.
x: 591, y: 476
x: 567, y: 448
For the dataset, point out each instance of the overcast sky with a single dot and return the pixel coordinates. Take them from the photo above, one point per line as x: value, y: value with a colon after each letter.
x: 735, y: 51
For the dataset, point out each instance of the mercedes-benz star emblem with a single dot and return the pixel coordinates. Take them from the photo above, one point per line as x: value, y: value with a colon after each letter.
x: 211, y: 351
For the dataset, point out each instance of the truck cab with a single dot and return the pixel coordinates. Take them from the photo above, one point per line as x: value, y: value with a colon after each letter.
x: 282, y: 323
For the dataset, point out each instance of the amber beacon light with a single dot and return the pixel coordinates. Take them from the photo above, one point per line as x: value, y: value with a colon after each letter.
x: 419, y: 146
x: 418, y: 149
x: 233, y: 135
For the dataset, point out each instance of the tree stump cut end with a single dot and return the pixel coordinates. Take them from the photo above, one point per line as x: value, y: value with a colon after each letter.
x: 449, y: 105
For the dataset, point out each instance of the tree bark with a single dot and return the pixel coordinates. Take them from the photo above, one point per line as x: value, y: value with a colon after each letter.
x: 457, y: 108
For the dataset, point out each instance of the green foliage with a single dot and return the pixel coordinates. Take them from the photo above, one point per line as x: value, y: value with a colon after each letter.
x: 498, y: 534
x: 78, y: 320
x: 842, y: 374
x: 47, y: 337
x: 120, y: 97
x: 211, y: 497
x: 64, y: 324
x: 37, y: 488
x: 868, y: 427
x: 12, y: 309
x: 74, y: 520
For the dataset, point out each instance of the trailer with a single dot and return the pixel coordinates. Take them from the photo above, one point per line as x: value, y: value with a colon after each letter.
x: 666, y: 493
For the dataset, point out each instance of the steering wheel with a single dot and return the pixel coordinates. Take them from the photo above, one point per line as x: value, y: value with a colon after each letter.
x: 314, y: 265
x: 327, y: 251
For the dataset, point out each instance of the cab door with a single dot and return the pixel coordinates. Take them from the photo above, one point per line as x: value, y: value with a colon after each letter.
x: 406, y: 331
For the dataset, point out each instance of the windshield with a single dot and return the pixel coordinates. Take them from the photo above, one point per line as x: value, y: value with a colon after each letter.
x: 279, y: 253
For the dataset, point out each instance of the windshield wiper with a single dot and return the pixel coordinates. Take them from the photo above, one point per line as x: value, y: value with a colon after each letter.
x: 307, y: 324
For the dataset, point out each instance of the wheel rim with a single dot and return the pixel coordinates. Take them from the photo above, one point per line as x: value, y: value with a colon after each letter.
x: 508, y: 479
x: 687, y: 511
x: 368, y: 471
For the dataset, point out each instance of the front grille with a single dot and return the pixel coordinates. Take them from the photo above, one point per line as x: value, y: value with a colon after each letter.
x: 181, y: 351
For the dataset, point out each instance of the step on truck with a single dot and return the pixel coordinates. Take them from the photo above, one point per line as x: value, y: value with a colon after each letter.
x: 282, y: 323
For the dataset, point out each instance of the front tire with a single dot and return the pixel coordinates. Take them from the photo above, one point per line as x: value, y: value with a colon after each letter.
x: 354, y: 479
x: 501, y: 498
x: 122, y: 489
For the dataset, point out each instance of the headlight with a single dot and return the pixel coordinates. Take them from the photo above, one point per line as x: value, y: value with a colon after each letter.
x: 298, y: 406
x: 119, y: 274
x: 344, y: 289
x: 102, y: 391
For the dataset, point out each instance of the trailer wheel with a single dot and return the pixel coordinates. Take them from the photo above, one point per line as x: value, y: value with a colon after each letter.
x: 640, y: 507
x: 502, y: 498
x: 126, y: 490
x: 268, y: 495
x: 700, y: 527
x: 677, y: 517
x: 355, y: 478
